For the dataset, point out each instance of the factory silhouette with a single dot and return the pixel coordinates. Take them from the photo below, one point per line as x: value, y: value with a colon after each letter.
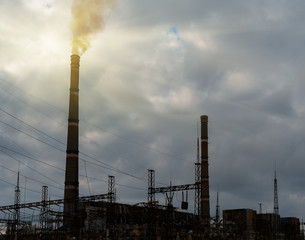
x: 102, y: 217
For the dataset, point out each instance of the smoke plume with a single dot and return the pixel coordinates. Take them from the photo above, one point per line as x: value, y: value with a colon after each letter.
x: 88, y: 18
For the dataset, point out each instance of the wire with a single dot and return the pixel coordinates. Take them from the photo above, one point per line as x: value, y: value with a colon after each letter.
x: 87, y: 178
x: 102, y: 129
x: 51, y: 179
x: 23, y: 122
x: 31, y: 136
x: 62, y: 124
x: 2, y: 180
x: 21, y: 90
x: 136, y: 143
x: 109, y: 167
x: 41, y: 132
x: 32, y: 158
x: 28, y: 177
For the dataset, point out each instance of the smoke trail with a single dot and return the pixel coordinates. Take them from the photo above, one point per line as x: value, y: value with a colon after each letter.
x: 88, y: 18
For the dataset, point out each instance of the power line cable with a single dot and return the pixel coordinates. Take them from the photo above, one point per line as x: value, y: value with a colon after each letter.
x: 43, y: 101
x: 32, y: 158
x: 30, y: 126
x: 41, y: 132
x: 87, y: 178
x: 104, y: 130
x: 29, y: 177
x: 12, y: 184
x: 51, y: 179
x: 136, y: 143
x: 110, y: 167
x: 31, y: 136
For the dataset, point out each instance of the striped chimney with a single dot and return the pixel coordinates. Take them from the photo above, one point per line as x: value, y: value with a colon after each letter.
x: 205, y: 194
x: 71, y: 177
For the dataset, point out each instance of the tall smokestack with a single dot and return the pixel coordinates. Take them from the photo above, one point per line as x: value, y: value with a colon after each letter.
x: 205, y: 193
x: 71, y: 178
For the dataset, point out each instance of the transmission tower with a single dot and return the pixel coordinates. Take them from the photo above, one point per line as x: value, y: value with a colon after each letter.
x: 198, y: 182
x: 217, y: 218
x: 44, y: 212
x: 217, y: 208
x: 276, y: 201
x: 17, y: 209
x: 151, y: 186
x: 110, y: 224
x: 151, y: 231
x: 111, y: 190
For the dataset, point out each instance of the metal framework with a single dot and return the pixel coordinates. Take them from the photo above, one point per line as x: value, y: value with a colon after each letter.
x: 276, y: 200
x: 152, y: 191
x: 111, y: 210
x: 151, y: 186
x: 53, y: 202
x: 151, y: 231
x: 44, y: 212
x: 16, y: 208
x: 177, y: 188
x: 111, y: 190
x: 198, y: 182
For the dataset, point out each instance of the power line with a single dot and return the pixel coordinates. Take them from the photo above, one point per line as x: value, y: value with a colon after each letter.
x: 51, y: 179
x: 31, y: 190
x: 102, y: 129
x: 30, y: 126
x: 31, y: 136
x: 87, y: 178
x: 31, y: 95
x: 136, y: 143
x: 107, y: 165
x: 32, y: 158
x: 29, y: 177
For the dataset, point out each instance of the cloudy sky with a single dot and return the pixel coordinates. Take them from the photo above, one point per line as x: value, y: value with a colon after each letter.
x: 146, y: 79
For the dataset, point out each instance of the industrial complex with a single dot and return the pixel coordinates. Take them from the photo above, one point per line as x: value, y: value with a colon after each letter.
x: 102, y: 217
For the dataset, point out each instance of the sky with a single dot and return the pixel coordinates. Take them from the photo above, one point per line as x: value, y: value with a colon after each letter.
x: 145, y: 80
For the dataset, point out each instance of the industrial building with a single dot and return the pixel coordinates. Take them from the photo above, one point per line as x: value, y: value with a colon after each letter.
x: 247, y: 224
x: 239, y: 222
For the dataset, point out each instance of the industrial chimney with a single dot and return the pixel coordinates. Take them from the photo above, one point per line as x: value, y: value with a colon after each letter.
x: 205, y: 194
x: 71, y: 178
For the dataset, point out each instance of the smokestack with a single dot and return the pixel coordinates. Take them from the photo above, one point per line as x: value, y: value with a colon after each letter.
x: 71, y: 178
x: 205, y: 193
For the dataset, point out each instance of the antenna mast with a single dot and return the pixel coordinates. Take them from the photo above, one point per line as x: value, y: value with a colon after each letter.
x: 276, y: 201
x: 217, y: 208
